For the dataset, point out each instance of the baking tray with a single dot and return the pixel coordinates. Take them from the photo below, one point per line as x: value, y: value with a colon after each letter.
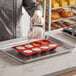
x: 69, y: 35
x: 65, y: 48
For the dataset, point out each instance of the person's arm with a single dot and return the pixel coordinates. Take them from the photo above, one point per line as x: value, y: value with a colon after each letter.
x: 35, y: 10
x: 31, y: 6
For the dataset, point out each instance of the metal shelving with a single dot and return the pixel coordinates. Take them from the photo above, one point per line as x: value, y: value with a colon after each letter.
x: 44, y: 12
x: 49, y: 14
x: 49, y: 21
x: 63, y: 19
x: 64, y: 7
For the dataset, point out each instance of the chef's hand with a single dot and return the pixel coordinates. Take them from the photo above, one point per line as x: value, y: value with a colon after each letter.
x: 36, y: 33
x: 37, y: 18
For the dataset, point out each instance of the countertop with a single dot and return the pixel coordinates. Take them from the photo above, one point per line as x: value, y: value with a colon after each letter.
x: 8, y: 67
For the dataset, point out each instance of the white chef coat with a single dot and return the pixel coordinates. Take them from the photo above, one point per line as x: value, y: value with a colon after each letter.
x: 23, y: 25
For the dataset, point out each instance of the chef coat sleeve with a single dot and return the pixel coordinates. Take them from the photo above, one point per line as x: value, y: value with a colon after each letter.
x: 31, y: 6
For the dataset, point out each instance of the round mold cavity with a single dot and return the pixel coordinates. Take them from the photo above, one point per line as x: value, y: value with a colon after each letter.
x: 27, y: 51
x: 44, y: 47
x: 45, y: 42
x: 20, y: 47
x: 37, y: 44
x: 29, y: 46
x: 70, y: 28
x: 52, y: 45
x: 36, y: 49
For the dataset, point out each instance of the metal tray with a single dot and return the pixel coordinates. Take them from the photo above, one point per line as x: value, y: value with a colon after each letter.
x: 72, y: 36
x: 69, y: 35
x: 64, y: 7
x: 65, y: 48
x: 64, y: 18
